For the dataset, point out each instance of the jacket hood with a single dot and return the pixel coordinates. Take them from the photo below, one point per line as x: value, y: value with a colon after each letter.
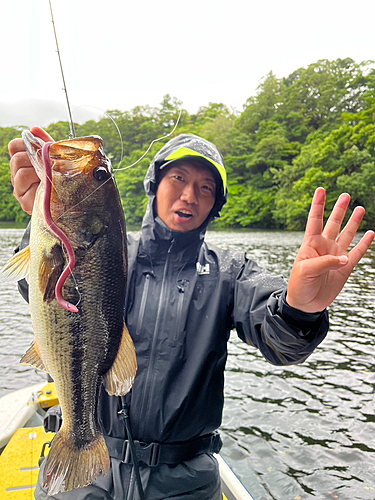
x: 193, y: 147
x: 182, y: 146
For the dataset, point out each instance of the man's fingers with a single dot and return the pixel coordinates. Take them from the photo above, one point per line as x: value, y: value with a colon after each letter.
x: 350, y: 230
x: 356, y: 254
x: 25, y: 181
x: 314, y: 224
x: 26, y: 200
x: 18, y: 162
x: 333, y: 226
x: 23, y: 178
x: 319, y: 265
x: 16, y: 146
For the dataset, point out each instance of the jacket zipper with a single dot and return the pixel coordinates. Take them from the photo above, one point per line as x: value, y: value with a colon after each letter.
x: 143, y: 303
x: 148, y: 391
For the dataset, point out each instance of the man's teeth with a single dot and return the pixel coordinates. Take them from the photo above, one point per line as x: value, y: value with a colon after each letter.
x: 184, y: 213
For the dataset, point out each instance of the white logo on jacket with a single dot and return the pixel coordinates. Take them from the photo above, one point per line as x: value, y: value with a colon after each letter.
x: 203, y: 269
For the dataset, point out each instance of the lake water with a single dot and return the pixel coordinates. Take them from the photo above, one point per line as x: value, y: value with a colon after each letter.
x: 290, y: 433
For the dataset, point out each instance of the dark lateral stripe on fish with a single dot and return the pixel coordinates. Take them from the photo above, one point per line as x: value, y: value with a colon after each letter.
x: 84, y: 399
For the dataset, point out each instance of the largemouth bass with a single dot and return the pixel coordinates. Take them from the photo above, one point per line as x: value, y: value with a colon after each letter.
x: 85, y: 342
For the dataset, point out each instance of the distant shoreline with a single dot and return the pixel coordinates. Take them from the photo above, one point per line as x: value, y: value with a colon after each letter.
x: 12, y: 225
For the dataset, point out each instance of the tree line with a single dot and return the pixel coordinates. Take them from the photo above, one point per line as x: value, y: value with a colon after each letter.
x: 315, y: 127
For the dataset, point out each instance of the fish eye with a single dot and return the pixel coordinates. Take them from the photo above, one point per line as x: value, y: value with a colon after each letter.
x: 101, y: 174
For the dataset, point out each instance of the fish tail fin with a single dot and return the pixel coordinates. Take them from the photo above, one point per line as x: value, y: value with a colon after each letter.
x: 120, y: 377
x: 69, y: 467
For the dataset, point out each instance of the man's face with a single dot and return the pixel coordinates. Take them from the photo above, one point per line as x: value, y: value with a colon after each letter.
x: 185, y: 196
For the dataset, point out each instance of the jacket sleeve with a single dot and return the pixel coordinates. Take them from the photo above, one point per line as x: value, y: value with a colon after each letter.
x: 262, y: 318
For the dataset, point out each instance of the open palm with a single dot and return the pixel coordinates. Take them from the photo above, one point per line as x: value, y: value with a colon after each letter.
x: 323, y: 263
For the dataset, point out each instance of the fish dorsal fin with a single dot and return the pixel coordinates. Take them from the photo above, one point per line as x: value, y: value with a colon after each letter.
x: 120, y: 377
x: 32, y: 357
x: 50, y: 269
x: 18, y: 267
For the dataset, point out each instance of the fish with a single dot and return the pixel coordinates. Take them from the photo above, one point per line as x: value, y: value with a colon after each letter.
x: 81, y: 340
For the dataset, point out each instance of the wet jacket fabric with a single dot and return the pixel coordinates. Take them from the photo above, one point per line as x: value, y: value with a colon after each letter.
x: 184, y: 297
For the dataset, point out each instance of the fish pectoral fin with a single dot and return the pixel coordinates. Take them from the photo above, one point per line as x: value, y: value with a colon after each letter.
x: 120, y: 377
x: 18, y: 267
x: 32, y: 357
x: 50, y: 269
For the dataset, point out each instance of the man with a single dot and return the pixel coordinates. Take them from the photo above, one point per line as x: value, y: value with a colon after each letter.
x: 184, y: 296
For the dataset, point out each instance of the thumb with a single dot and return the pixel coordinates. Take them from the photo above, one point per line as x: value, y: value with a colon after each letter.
x: 320, y: 265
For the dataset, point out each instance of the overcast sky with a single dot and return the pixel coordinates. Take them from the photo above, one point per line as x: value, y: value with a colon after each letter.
x: 118, y: 54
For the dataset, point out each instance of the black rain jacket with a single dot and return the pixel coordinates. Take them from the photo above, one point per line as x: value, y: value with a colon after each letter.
x: 184, y: 297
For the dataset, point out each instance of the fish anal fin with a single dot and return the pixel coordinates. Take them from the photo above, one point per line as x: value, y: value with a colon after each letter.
x: 32, y: 357
x: 50, y: 269
x: 18, y: 267
x: 120, y: 377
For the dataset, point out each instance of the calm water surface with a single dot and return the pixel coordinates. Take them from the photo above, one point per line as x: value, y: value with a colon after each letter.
x: 290, y: 433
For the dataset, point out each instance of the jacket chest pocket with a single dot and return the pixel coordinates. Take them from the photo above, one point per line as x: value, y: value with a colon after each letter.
x: 142, y: 307
x: 179, y: 310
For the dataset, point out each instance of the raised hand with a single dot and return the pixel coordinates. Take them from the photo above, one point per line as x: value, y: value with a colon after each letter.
x: 323, y: 263
x: 24, y: 178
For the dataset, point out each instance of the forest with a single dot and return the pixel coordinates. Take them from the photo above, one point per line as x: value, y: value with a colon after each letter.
x: 315, y: 127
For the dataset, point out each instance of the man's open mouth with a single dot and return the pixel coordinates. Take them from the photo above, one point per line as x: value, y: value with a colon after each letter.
x: 184, y: 214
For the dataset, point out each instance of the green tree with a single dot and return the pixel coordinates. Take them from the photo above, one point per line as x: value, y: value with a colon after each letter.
x: 10, y: 209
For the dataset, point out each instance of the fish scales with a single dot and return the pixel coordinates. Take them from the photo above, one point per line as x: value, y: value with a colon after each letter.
x: 83, y: 349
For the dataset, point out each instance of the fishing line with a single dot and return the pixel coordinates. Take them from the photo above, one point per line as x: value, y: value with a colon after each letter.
x: 150, y: 146
x: 113, y: 121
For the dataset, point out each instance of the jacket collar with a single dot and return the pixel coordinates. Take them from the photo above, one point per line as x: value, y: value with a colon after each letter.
x: 157, y: 239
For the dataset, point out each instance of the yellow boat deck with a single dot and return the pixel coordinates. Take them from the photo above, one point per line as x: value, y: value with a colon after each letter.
x: 19, y: 463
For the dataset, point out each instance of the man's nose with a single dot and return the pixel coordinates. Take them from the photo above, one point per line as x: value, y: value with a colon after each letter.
x: 189, y: 193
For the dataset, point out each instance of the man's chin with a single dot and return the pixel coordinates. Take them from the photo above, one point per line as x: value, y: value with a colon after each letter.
x: 183, y: 228
x: 182, y: 224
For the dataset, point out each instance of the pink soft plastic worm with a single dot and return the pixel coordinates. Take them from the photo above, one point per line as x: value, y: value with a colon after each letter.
x: 58, y: 232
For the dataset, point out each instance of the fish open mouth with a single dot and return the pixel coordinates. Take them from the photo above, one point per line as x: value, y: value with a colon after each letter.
x: 183, y: 214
